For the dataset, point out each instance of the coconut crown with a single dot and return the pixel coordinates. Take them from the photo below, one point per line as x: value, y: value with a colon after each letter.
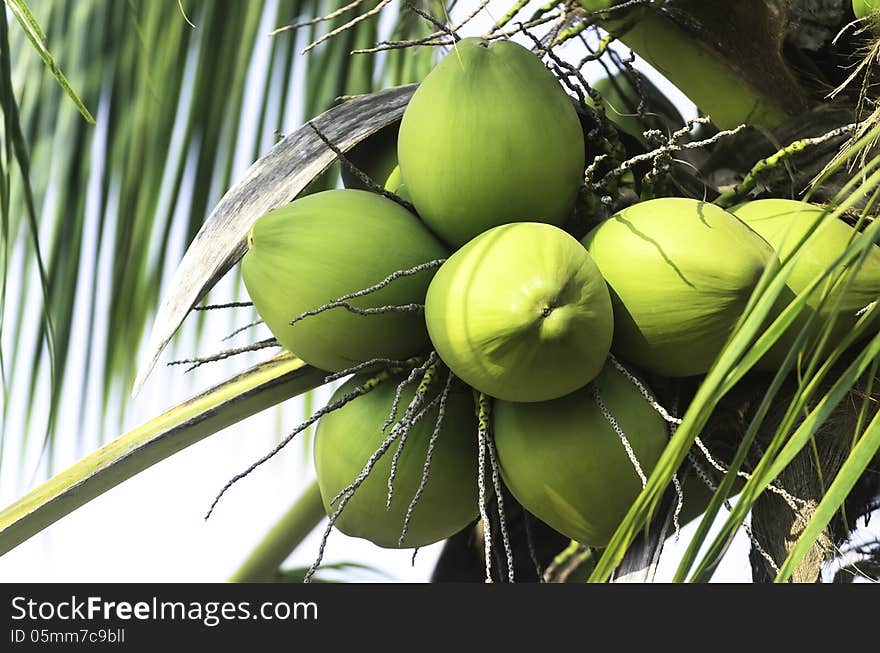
x: 564, y: 462
x: 323, y: 246
x: 681, y: 272
x: 489, y: 138
x: 347, y: 438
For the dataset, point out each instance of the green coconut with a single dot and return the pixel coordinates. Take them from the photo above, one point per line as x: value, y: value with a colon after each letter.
x: 490, y: 138
x: 564, y: 462
x: 659, y: 37
x: 864, y: 8
x: 621, y: 99
x: 323, y: 246
x: 375, y: 156
x: 395, y: 184
x: 521, y: 313
x: 785, y: 223
x: 680, y: 272
x: 346, y: 439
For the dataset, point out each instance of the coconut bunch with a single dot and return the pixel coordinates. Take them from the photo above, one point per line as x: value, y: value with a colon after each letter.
x: 487, y: 340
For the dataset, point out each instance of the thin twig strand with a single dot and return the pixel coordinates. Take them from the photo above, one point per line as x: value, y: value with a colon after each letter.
x: 429, y: 456
x: 418, y: 398
x: 483, y: 418
x: 223, y: 355
x: 703, y: 475
x: 348, y: 492
x: 649, y: 156
x: 249, y: 325
x: 361, y: 176
x: 368, y: 386
x: 214, y: 307
x: 597, y: 397
x: 422, y: 267
x: 790, y: 499
x: 398, y: 393
x: 319, y: 19
x: 530, y: 544
x: 342, y: 28
x: 407, y: 364
x: 499, y: 502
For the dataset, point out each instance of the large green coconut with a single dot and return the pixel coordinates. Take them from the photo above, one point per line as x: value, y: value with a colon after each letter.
x: 564, y: 462
x: 521, y: 313
x: 323, y: 246
x: 347, y: 438
x: 375, y: 156
x: 680, y: 272
x: 784, y: 224
x: 489, y: 138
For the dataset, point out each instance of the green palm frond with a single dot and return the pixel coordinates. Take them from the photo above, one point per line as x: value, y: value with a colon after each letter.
x: 37, y: 38
x: 248, y: 393
x: 16, y: 148
x: 101, y: 210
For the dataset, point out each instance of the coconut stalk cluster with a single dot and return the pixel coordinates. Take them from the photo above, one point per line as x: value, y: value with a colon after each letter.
x: 490, y: 338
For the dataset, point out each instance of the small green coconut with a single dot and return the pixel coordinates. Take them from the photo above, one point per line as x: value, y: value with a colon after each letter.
x: 395, y: 184
x: 680, y: 272
x: 784, y: 224
x: 621, y: 99
x: 864, y: 8
x: 347, y: 438
x: 489, y: 138
x: 318, y: 248
x: 375, y: 156
x: 521, y: 313
x: 564, y: 462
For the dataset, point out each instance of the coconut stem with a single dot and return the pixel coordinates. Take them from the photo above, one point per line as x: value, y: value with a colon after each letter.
x: 572, y: 551
x: 440, y: 25
x: 676, y: 480
x: 738, y: 192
